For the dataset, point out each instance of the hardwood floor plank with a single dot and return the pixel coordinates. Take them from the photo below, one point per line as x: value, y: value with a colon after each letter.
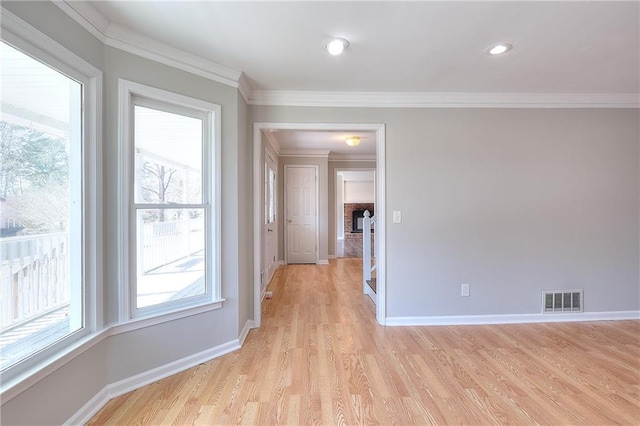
x: 321, y: 358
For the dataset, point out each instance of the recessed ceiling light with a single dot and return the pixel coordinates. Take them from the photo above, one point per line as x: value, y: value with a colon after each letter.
x: 336, y: 46
x: 499, y: 48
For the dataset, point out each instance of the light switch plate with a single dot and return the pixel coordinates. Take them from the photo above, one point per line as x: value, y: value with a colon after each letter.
x: 397, y: 217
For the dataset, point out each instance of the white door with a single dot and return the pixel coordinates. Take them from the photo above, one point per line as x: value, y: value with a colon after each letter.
x: 270, y: 228
x: 300, y: 213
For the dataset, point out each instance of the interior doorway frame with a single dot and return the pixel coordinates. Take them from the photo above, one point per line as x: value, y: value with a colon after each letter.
x: 335, y: 192
x: 380, y: 241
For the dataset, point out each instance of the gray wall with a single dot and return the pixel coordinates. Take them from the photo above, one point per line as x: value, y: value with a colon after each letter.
x: 331, y: 211
x: 323, y: 202
x: 245, y: 214
x: 62, y: 393
x: 510, y: 201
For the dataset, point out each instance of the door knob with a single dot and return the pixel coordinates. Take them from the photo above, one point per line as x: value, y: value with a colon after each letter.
x: 269, y: 230
x: 289, y: 220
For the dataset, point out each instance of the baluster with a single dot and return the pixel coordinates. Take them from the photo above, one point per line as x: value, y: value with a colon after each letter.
x: 21, y: 285
x: 11, y: 294
x: 366, y: 249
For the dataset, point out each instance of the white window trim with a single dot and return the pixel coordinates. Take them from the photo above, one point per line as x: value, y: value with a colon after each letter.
x: 126, y: 91
x: 29, y: 40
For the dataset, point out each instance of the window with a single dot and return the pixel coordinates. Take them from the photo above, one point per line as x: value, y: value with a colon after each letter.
x: 170, y: 223
x: 48, y: 192
x: 269, y: 196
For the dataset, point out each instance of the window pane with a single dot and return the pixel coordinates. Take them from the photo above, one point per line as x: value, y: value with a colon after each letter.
x: 272, y: 196
x: 168, y: 160
x: 170, y: 255
x: 40, y: 206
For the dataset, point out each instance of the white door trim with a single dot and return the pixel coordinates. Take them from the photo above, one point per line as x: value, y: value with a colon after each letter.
x: 268, y: 151
x: 258, y: 127
x: 284, y: 215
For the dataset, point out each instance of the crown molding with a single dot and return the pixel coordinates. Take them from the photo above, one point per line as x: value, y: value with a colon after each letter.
x: 130, y: 41
x: 443, y: 100
x: 349, y: 157
x: 122, y: 38
x: 312, y: 153
x: 86, y: 15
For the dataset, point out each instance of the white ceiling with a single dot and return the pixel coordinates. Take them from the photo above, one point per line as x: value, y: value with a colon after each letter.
x: 407, y: 54
x: 295, y: 140
x: 436, y: 47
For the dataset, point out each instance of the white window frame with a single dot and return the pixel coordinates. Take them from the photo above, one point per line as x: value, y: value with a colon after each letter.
x: 164, y: 100
x: 35, y: 44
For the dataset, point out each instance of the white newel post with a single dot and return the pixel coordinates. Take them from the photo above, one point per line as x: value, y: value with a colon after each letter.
x: 366, y: 250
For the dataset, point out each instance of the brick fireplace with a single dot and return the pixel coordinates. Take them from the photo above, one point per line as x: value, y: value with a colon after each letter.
x: 353, y: 235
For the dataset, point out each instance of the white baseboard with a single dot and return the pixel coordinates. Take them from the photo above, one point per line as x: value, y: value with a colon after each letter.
x: 332, y: 256
x: 322, y: 262
x: 281, y: 263
x: 129, y: 384
x: 511, y: 319
x: 245, y: 331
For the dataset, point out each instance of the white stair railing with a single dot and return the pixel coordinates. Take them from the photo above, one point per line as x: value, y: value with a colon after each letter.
x: 368, y: 254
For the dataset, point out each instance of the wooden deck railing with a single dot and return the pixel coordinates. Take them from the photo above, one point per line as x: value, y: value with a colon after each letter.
x: 34, y: 269
x: 165, y: 242
x: 34, y: 274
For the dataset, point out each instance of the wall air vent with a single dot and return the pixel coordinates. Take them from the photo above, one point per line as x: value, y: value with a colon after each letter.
x: 561, y: 301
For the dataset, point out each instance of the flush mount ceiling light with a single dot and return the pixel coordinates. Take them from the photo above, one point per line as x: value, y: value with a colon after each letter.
x: 353, y: 140
x: 499, y: 48
x: 336, y: 46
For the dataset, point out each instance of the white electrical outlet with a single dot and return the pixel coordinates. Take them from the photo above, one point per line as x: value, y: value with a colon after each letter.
x: 397, y: 217
x: 465, y: 290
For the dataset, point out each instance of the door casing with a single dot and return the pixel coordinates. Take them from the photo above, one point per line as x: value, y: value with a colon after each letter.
x: 270, y: 256
x: 258, y: 162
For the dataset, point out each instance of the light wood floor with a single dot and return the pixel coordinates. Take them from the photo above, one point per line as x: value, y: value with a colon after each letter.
x: 320, y: 358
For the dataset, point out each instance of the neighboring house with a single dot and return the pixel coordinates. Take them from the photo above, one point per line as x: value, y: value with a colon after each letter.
x: 511, y: 200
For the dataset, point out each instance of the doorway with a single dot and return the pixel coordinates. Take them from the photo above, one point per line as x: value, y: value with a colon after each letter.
x: 355, y: 193
x: 378, y: 131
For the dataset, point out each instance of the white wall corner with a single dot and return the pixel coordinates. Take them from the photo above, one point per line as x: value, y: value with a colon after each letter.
x: 244, y: 87
x: 245, y: 331
x: 512, y: 318
x: 129, y: 384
